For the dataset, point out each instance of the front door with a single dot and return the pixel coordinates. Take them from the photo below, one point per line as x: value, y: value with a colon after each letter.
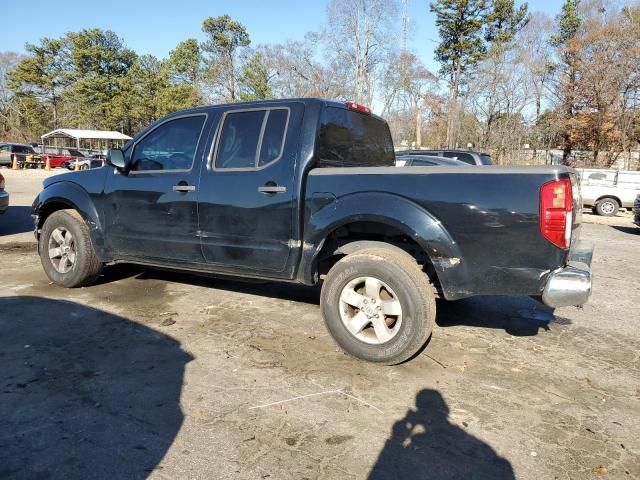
x: 151, y: 213
x: 247, y: 195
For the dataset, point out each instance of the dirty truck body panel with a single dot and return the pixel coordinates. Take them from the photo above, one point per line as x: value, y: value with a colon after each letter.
x: 477, y: 226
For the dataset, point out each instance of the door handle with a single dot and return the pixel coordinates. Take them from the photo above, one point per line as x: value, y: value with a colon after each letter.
x: 184, y: 188
x: 271, y: 189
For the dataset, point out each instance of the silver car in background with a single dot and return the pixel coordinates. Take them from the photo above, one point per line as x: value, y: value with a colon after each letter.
x: 606, y: 191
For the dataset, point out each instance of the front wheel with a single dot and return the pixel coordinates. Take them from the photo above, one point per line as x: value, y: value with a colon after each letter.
x: 379, y: 305
x: 607, y: 207
x: 66, y: 252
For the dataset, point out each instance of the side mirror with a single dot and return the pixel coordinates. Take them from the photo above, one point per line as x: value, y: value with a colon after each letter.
x: 115, y: 158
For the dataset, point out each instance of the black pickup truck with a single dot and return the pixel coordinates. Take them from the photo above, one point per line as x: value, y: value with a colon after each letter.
x: 306, y: 191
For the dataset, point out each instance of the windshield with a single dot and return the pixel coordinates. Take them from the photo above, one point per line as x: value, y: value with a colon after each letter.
x: 352, y: 139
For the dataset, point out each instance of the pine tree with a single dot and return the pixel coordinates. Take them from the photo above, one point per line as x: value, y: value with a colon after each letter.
x: 224, y: 37
x: 568, y: 22
x: 461, y: 47
x: 253, y: 83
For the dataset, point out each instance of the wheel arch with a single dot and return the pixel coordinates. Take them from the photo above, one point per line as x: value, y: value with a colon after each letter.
x: 391, y: 219
x: 613, y: 197
x: 67, y: 195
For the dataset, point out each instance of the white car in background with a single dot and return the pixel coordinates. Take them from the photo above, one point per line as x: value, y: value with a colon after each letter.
x: 606, y: 191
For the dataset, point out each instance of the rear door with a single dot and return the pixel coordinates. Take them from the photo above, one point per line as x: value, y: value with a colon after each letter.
x: 151, y: 213
x: 246, y: 200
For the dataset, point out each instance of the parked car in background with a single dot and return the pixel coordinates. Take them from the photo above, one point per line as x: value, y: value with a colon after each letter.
x: 57, y: 160
x: 636, y: 211
x: 306, y: 191
x: 428, y: 161
x: 4, y: 196
x: 94, y: 161
x: 606, y: 191
x: 467, y: 156
x: 9, y: 151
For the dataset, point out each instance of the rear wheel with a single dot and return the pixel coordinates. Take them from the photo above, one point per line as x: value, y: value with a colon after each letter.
x: 379, y: 305
x: 66, y: 252
x: 607, y: 207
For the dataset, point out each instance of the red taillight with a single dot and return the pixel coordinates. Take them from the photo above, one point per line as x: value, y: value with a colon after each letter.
x: 556, y: 212
x: 1, y: 182
x: 358, y: 108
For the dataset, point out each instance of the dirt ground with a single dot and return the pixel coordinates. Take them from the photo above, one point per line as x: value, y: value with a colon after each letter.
x: 163, y: 375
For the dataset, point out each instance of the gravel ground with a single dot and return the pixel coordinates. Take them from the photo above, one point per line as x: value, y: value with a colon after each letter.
x: 161, y: 375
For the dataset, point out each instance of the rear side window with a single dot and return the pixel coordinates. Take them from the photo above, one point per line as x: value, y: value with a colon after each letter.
x: 251, y: 139
x: 463, y: 157
x: 352, y: 139
x: 486, y: 159
x: 273, y: 138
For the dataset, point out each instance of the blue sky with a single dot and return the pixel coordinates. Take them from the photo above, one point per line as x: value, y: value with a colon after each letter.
x: 155, y: 27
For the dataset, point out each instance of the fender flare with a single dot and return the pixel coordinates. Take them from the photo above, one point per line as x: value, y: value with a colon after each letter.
x: 395, y: 211
x: 76, y: 197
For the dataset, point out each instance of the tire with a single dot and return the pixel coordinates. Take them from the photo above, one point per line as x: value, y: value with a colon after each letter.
x: 607, y: 207
x: 58, y: 264
x: 402, y: 282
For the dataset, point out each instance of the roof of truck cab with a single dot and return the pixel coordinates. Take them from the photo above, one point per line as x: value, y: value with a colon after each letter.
x: 263, y: 103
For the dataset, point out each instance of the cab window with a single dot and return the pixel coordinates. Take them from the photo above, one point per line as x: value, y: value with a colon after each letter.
x: 251, y: 139
x: 352, y: 139
x: 171, y: 146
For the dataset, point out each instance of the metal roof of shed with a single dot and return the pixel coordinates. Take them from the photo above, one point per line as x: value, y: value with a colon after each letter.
x: 76, y: 133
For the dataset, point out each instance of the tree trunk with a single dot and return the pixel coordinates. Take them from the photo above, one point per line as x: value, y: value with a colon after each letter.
x: 418, y: 127
x: 232, y: 80
x: 571, y: 88
x: 453, y: 107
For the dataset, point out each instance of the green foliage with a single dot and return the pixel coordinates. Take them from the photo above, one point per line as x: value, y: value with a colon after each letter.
x: 460, y: 25
x: 224, y: 35
x: 254, y: 80
x: 89, y: 79
x: 569, y: 22
x: 185, y: 67
x: 504, y: 21
x: 185, y: 62
x: 97, y: 61
x: 41, y: 78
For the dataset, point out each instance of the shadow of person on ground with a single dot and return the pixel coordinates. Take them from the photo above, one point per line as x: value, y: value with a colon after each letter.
x: 518, y: 316
x: 16, y: 219
x: 425, y: 445
x: 84, y: 393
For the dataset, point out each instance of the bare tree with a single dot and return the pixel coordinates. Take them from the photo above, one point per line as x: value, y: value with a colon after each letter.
x: 406, y: 87
x: 296, y: 71
x: 9, y: 114
x: 359, y: 35
x: 537, y: 58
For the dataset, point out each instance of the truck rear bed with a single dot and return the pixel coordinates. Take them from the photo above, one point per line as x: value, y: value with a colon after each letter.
x: 478, y: 225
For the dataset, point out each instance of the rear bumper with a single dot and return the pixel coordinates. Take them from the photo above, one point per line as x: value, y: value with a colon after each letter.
x: 571, y: 285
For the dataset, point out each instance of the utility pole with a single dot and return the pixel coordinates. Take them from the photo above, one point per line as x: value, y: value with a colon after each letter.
x: 405, y: 25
